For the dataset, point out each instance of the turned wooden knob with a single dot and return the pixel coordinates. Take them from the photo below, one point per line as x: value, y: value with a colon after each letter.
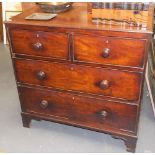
x: 44, y: 104
x: 37, y: 46
x: 104, y: 113
x: 41, y: 75
x: 104, y: 84
x: 106, y: 52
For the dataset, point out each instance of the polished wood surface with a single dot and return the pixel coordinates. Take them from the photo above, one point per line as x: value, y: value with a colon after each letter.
x: 71, y: 71
x: 92, y: 112
x: 77, y: 17
x: 125, y: 85
x: 39, y: 43
x: 135, y: 17
x: 27, y: 5
x: 122, y: 51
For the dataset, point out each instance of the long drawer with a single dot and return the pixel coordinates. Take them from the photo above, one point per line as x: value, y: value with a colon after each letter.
x: 99, y: 81
x: 109, y: 50
x: 38, y: 43
x: 80, y: 110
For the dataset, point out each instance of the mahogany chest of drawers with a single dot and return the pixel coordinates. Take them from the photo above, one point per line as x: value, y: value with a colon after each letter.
x: 71, y: 71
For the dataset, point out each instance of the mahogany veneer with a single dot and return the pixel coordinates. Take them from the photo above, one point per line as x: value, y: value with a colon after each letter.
x: 71, y: 71
x: 81, y: 78
x: 40, y: 43
x: 109, y: 50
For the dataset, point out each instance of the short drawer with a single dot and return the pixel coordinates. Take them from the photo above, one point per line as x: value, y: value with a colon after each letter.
x: 80, y: 110
x: 85, y: 79
x: 109, y: 50
x: 38, y: 43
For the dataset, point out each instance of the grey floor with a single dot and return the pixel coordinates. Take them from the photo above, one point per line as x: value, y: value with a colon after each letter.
x: 52, y: 137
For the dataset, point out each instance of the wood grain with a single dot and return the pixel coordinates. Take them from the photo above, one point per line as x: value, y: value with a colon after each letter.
x: 70, y: 19
x: 125, y: 85
x: 53, y: 44
x: 79, y: 109
x: 122, y: 51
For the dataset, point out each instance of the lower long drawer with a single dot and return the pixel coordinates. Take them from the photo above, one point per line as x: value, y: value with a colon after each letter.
x: 85, y: 111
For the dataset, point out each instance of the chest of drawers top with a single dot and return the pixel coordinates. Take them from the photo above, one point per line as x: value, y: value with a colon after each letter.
x: 78, y: 17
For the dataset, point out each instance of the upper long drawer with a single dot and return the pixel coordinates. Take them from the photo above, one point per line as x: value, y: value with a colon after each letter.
x: 40, y: 43
x: 79, y: 78
x: 109, y: 50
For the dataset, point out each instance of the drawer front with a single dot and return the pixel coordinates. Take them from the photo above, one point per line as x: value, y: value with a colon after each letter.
x: 85, y: 79
x: 37, y: 43
x: 108, y: 50
x: 82, y: 110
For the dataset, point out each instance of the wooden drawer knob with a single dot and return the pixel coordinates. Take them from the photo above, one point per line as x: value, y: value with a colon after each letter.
x: 41, y: 75
x: 38, y: 46
x: 104, y: 84
x: 44, y: 104
x: 104, y: 113
x: 106, y: 52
